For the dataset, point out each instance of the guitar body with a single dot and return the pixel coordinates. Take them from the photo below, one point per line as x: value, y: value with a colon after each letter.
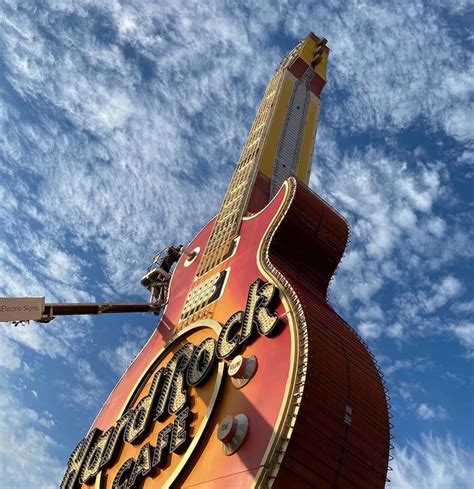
x: 316, y: 408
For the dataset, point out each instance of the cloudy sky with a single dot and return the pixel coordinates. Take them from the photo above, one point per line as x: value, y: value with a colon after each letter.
x: 120, y: 124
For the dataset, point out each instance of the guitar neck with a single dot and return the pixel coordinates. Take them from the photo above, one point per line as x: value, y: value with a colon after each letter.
x: 262, y: 145
x: 233, y: 207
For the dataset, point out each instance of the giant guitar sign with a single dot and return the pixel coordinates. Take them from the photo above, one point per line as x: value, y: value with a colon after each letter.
x: 251, y: 379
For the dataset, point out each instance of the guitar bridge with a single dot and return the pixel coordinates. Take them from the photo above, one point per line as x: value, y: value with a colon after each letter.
x: 204, y: 294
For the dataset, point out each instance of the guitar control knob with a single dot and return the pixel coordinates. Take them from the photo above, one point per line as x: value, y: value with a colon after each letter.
x: 241, y: 369
x: 232, y: 432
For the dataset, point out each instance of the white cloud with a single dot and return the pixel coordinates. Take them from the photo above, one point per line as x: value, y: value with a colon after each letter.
x: 432, y: 463
x: 120, y: 357
x: 449, y: 288
x: 463, y: 307
x: 63, y: 267
x: 426, y: 412
x: 396, y: 331
x: 406, y: 390
x: 372, y: 312
x: 459, y: 122
x: 25, y: 449
x: 369, y: 330
x: 86, y: 390
x: 411, y: 365
x: 130, y: 343
x: 10, y: 355
x: 465, y: 333
x: 423, y: 310
x: 436, y: 226
x: 86, y: 374
x: 59, y: 339
x: 407, y: 394
x: 31, y: 337
x: 451, y: 376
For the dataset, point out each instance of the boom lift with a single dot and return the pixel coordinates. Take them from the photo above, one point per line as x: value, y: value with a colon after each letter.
x: 155, y: 280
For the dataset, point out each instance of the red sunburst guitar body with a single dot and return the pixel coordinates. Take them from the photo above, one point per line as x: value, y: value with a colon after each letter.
x: 251, y: 379
x: 316, y: 407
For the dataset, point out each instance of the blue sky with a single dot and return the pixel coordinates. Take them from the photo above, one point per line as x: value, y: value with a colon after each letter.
x: 120, y: 124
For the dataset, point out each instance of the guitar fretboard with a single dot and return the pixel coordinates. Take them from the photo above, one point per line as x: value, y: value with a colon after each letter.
x: 229, y: 218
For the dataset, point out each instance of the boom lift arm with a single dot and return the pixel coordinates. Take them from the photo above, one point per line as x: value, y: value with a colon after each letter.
x: 156, y: 280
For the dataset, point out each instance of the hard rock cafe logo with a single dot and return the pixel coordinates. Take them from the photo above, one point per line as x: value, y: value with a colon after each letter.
x: 190, y: 366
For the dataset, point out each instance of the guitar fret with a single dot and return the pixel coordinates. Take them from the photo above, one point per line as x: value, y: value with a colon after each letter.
x: 237, y: 188
x: 232, y: 202
x: 221, y: 239
x: 254, y: 142
x: 227, y: 214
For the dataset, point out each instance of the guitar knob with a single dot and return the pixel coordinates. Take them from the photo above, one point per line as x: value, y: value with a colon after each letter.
x: 241, y: 369
x: 232, y: 432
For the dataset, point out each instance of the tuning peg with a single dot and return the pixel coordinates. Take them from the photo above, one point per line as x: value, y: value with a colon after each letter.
x: 316, y: 61
x: 318, y: 52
